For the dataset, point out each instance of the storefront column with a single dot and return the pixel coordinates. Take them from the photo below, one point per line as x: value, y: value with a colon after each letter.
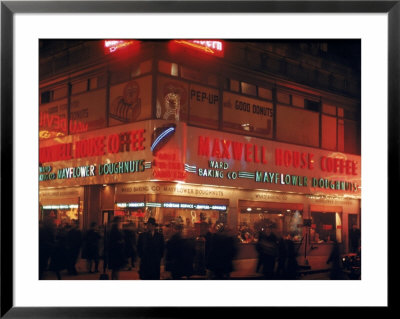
x: 232, y: 216
x: 92, y: 205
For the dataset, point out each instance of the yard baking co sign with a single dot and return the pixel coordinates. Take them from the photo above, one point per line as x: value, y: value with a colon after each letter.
x: 115, y: 154
x: 231, y: 160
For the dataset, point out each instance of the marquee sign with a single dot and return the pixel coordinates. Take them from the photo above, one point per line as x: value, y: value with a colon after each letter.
x: 233, y: 160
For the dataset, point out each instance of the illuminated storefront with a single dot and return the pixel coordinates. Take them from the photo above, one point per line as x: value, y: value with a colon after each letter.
x: 167, y: 141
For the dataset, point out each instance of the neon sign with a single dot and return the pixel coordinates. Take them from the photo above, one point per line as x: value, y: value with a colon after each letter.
x: 160, y: 136
x: 111, y: 46
x: 226, y: 149
x: 213, y: 47
x: 96, y: 146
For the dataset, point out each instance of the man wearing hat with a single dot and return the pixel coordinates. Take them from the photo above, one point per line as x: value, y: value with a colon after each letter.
x: 150, y: 249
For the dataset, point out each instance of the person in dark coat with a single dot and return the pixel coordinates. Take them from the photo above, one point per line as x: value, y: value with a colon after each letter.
x: 282, y: 257
x: 91, y: 248
x: 334, y: 259
x: 150, y: 249
x: 180, y: 254
x: 354, y: 236
x: 222, y: 250
x: 58, y: 259
x: 47, y: 234
x: 291, y: 266
x: 116, y: 250
x: 74, y: 243
x: 130, y: 244
x: 267, y: 251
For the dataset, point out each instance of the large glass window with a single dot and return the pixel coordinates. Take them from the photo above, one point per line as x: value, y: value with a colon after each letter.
x: 329, y: 132
x: 168, y: 68
x: 286, y: 220
x: 326, y: 227
x: 247, y: 116
x: 87, y: 111
x: 53, y: 119
x: 297, y: 126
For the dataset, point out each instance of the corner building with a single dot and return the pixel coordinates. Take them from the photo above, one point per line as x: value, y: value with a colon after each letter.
x: 240, y: 132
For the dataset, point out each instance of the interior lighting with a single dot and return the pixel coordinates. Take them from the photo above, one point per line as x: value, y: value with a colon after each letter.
x: 249, y: 209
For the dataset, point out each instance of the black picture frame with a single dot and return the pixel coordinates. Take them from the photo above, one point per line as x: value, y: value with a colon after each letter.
x: 9, y: 8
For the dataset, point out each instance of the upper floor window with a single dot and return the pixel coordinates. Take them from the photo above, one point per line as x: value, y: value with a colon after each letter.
x: 312, y: 105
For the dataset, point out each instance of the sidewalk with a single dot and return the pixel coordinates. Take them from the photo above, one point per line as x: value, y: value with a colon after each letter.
x: 243, y: 269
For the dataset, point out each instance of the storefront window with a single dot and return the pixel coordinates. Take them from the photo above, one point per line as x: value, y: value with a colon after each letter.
x: 285, y: 222
x: 61, y: 214
x: 196, y: 219
x: 247, y: 115
x: 325, y: 227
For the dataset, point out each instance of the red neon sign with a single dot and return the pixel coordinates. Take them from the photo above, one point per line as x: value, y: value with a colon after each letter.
x: 111, y: 46
x: 129, y: 141
x: 226, y: 149
x: 213, y: 47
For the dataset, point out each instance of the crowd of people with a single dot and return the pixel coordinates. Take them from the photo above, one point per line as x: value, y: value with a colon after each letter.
x: 122, y: 247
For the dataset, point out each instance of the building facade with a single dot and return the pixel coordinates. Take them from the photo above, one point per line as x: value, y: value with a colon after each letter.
x: 245, y: 133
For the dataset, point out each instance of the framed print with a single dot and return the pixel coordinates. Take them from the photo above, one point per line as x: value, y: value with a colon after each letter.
x: 163, y: 136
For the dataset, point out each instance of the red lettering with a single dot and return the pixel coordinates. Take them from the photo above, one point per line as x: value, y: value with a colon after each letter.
x: 248, y: 152
x: 336, y: 165
x: 113, y: 143
x: 348, y: 167
x: 287, y: 158
x: 303, y: 160
x: 278, y: 157
x: 55, y: 153
x: 140, y: 139
x: 263, y: 159
x: 323, y: 159
x: 225, y: 150
x: 256, y: 160
x: 333, y: 164
x: 296, y: 159
x: 310, y: 161
x: 124, y: 142
x: 204, y: 146
x: 354, y: 167
x: 237, y: 150
x: 329, y: 164
x: 216, y: 152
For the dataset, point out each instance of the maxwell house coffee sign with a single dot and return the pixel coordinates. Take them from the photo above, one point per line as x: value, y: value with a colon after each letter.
x: 240, y: 161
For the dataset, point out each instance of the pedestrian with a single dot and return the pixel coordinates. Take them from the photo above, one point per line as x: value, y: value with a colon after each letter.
x: 74, y: 243
x: 47, y: 233
x: 267, y: 249
x: 291, y: 265
x: 222, y: 250
x: 354, y: 236
x: 116, y: 249
x: 150, y: 250
x: 91, y: 248
x: 334, y: 259
x: 282, y: 258
x: 58, y: 259
x: 180, y: 254
x: 130, y: 244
